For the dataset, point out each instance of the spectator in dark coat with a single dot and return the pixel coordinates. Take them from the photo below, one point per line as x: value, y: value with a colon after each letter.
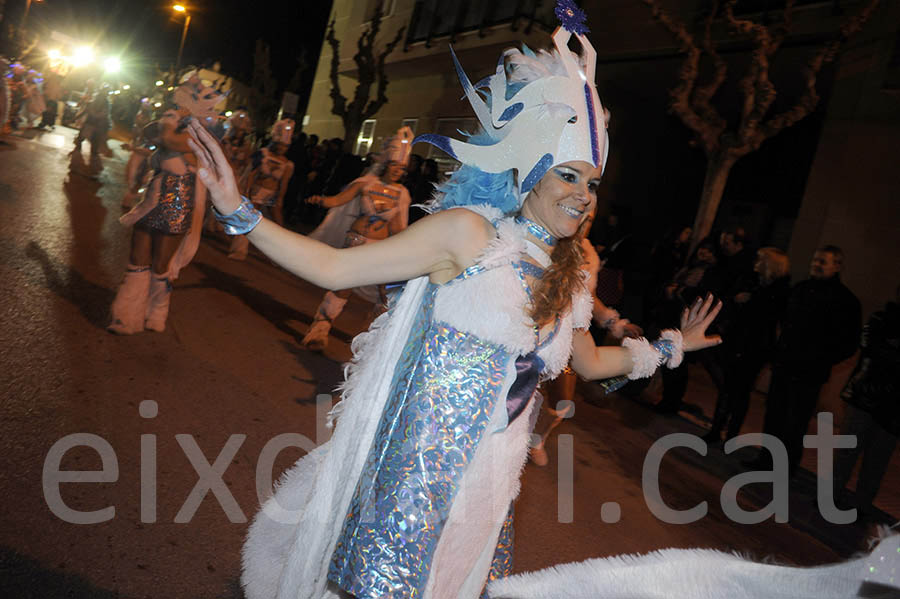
x: 821, y: 328
x: 750, y: 339
x: 684, y: 289
x: 872, y: 411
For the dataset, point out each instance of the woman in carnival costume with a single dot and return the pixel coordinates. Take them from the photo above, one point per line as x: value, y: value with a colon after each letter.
x: 267, y: 181
x: 411, y: 496
x: 4, y: 95
x: 166, y: 223
x: 371, y: 208
x: 141, y: 149
x: 237, y: 143
x: 15, y: 85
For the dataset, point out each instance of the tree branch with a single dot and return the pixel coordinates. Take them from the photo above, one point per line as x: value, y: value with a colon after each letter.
x: 810, y: 98
x: 381, y: 99
x: 681, y: 94
x: 783, y: 29
x: 704, y: 93
x: 757, y: 89
x: 338, y: 101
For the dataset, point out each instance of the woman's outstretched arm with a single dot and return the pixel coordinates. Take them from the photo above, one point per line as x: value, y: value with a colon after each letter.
x: 592, y: 362
x: 441, y: 245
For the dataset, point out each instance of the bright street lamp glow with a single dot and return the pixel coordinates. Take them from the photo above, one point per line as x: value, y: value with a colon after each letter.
x: 179, y: 8
x: 157, y: 105
x: 54, y: 54
x: 83, y: 55
x: 228, y: 113
x: 112, y: 64
x: 159, y: 83
x: 170, y: 88
x: 126, y: 87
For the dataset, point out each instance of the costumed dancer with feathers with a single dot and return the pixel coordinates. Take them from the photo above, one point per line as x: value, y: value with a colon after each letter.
x: 371, y: 208
x: 267, y: 180
x: 411, y: 496
x: 166, y: 224
x: 4, y: 95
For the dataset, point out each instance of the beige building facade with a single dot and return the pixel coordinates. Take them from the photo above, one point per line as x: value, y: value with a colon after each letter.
x: 851, y: 196
x: 423, y: 90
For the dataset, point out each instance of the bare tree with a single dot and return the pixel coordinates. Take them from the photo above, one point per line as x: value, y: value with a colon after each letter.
x: 263, y: 102
x: 370, y: 69
x: 692, y: 101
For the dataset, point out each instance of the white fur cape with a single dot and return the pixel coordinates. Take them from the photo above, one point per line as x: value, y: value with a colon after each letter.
x: 708, y: 574
x: 291, y: 541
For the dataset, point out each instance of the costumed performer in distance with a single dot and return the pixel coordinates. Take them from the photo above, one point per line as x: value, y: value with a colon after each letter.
x: 370, y: 208
x: 166, y: 224
x: 411, y: 497
x: 267, y: 180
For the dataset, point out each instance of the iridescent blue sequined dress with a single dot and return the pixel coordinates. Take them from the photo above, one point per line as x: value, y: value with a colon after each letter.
x: 428, y: 514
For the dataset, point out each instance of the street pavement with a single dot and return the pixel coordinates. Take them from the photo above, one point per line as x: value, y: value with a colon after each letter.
x: 227, y: 377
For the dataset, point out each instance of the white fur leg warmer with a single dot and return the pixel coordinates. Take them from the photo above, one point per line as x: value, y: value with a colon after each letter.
x: 158, y: 303
x: 130, y: 305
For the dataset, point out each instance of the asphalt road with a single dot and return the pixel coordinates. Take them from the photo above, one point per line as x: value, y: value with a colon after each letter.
x: 228, y: 376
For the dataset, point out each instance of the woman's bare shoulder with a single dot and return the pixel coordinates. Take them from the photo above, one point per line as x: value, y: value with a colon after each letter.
x: 471, y: 228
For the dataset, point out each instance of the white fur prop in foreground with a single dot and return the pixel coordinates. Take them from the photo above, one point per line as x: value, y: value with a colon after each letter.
x: 708, y: 574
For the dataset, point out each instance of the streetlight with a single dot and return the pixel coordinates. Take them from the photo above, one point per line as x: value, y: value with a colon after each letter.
x: 83, y: 55
x: 187, y: 22
x: 112, y: 64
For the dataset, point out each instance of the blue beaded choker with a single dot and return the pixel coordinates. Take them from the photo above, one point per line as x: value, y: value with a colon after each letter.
x: 537, y: 230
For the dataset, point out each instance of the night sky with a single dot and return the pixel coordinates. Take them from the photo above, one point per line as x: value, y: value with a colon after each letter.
x: 220, y: 30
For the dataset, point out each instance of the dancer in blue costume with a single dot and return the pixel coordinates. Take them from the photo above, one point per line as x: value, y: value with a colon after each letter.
x: 412, y: 495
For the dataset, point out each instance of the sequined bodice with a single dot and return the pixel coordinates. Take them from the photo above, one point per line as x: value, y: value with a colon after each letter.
x: 444, y: 392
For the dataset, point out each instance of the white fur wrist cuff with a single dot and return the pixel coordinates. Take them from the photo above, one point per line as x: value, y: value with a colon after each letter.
x: 645, y: 359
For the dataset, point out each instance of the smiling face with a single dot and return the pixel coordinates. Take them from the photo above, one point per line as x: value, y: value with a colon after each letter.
x: 564, y: 198
x: 394, y: 172
x: 174, y: 135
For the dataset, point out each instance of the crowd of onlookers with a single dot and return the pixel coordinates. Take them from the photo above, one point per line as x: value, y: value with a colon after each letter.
x: 800, y: 330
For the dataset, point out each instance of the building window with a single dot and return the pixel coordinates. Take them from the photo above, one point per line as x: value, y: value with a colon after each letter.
x: 436, y: 18
x: 411, y: 123
x: 364, y: 140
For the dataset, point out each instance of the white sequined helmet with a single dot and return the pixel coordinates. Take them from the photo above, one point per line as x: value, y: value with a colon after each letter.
x: 538, y: 110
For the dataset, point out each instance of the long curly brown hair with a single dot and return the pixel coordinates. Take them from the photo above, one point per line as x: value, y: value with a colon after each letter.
x: 553, y: 294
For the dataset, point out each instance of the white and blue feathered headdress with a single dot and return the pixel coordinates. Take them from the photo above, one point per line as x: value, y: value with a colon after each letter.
x: 537, y: 110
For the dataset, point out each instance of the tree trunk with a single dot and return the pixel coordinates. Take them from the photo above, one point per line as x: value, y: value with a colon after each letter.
x: 352, y: 127
x: 718, y: 167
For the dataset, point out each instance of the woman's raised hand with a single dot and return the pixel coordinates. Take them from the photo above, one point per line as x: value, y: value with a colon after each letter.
x: 694, y: 322
x: 215, y: 172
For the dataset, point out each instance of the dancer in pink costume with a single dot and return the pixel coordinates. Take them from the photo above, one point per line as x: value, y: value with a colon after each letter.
x: 166, y: 223
x: 266, y: 183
